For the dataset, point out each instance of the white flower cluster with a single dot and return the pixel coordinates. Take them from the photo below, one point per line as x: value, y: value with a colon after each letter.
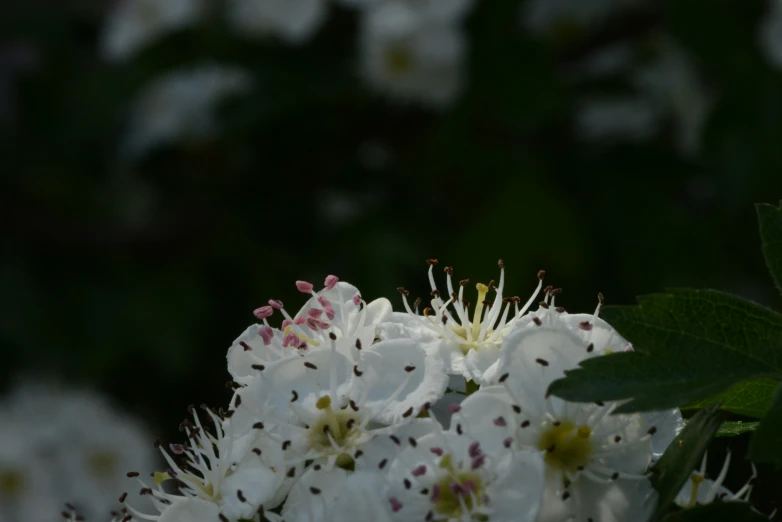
x: 59, y: 445
x: 411, y: 50
x: 339, y: 414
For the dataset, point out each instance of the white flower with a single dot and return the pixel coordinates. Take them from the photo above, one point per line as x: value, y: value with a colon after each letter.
x: 770, y: 34
x: 76, y: 448
x: 699, y: 490
x: 336, y: 310
x: 338, y: 496
x: 672, y: 82
x: 132, y: 24
x: 410, y: 57
x: 324, y: 409
x: 624, y: 118
x: 292, y: 21
x: 453, y: 476
x: 470, y: 346
x: 181, y: 106
x: 231, y: 473
x: 591, y: 455
x: 28, y: 490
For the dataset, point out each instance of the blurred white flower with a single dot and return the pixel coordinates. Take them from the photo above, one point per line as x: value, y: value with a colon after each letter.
x: 27, y: 492
x: 626, y: 118
x: 132, y: 24
x: 666, y: 87
x: 411, y: 57
x: 540, y: 17
x: 293, y: 21
x: 75, y: 448
x: 673, y: 83
x: 444, y: 11
x: 181, y: 106
x: 770, y: 34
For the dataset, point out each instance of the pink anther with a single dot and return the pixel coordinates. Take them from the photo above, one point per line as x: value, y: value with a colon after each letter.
x: 304, y: 287
x: 263, y: 312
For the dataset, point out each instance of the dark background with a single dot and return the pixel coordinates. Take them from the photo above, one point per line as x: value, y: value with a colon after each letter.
x: 135, y: 276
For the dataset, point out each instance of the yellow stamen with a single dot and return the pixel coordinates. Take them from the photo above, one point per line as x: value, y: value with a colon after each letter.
x: 476, y: 318
x: 567, y: 446
x: 289, y: 329
x: 696, y: 484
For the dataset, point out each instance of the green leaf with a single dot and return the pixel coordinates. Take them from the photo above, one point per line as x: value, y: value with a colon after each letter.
x: 718, y: 512
x: 690, y: 345
x: 766, y: 444
x: 733, y: 428
x: 683, y: 456
x: 770, y: 220
x: 751, y: 398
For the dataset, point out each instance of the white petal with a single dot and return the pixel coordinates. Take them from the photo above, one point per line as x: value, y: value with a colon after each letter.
x: 257, y: 483
x: 556, y: 505
x: 378, y: 311
x: 488, y: 417
x: 341, y: 295
x: 668, y: 425
x: 310, y: 377
x: 479, y: 361
x: 382, y: 447
x: 602, y: 335
x: 634, y: 458
x: 618, y: 501
x: 401, y: 325
x: 191, y: 510
x: 517, y: 494
x: 386, y: 366
x: 534, y: 357
x: 304, y: 505
x: 241, y: 360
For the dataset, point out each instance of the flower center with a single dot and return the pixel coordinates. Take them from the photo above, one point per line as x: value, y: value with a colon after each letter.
x: 456, y: 493
x: 11, y: 482
x: 102, y: 463
x: 399, y: 60
x: 334, y: 431
x: 567, y: 446
x: 475, y: 339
